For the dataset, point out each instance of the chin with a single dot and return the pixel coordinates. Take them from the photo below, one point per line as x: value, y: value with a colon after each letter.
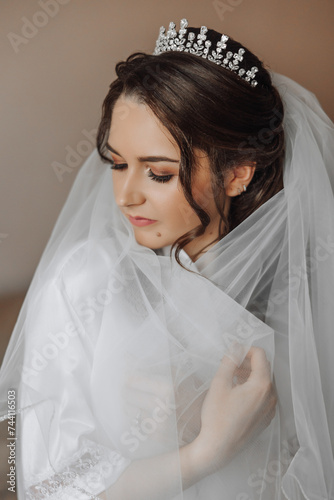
x: 152, y: 241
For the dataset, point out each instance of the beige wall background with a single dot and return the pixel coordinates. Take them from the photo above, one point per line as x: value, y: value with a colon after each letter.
x: 57, y: 60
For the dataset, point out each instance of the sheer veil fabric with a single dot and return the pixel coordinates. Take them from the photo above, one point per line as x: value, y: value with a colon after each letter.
x: 116, y: 345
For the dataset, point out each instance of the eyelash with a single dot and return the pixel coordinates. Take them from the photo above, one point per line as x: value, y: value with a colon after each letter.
x: 151, y: 175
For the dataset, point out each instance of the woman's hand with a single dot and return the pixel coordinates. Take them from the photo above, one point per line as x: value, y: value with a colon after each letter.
x: 240, y: 404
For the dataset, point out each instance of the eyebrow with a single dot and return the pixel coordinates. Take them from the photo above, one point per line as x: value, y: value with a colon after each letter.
x: 143, y: 159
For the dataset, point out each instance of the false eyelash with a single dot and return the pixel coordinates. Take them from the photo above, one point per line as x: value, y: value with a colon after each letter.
x: 159, y: 178
x: 117, y: 166
x: 154, y: 177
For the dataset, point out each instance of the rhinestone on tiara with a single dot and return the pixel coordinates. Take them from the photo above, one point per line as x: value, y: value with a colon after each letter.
x: 199, y: 46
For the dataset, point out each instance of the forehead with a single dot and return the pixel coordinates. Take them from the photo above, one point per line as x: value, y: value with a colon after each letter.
x: 134, y: 126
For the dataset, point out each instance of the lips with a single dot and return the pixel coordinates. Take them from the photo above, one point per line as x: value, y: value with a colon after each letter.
x: 141, y: 221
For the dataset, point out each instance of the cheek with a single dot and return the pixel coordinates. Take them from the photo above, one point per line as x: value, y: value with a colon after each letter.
x: 203, y: 195
x: 178, y: 212
x: 115, y: 184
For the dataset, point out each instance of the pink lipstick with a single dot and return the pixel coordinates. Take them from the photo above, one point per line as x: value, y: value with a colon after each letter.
x: 141, y: 221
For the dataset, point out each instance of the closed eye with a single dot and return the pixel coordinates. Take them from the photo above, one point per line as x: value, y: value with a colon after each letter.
x: 118, y: 166
x: 159, y: 178
x: 151, y: 175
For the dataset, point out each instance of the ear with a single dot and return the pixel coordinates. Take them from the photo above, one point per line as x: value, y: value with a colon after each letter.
x: 237, y: 178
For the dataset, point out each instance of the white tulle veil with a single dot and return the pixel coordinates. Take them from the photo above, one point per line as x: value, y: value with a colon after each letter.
x: 111, y: 331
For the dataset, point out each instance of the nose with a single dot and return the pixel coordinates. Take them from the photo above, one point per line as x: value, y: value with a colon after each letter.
x: 127, y: 188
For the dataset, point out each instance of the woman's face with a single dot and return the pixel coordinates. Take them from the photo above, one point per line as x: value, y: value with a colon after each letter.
x: 146, y: 181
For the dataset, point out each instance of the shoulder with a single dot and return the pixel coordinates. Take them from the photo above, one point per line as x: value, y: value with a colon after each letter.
x: 85, y: 268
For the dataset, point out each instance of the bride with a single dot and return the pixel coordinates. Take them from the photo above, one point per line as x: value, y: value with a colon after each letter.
x: 176, y: 341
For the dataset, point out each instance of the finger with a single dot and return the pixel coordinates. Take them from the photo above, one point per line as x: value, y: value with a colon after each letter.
x: 226, y: 371
x: 246, y: 364
x: 260, y: 366
x: 242, y: 372
x: 241, y: 376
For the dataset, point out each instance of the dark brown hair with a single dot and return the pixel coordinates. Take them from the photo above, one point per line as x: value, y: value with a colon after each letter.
x: 205, y: 106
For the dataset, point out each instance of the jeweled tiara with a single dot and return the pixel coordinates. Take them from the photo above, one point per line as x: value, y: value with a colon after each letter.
x: 201, y: 47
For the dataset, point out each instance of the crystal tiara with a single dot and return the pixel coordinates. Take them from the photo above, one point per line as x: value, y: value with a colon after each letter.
x: 201, y: 47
